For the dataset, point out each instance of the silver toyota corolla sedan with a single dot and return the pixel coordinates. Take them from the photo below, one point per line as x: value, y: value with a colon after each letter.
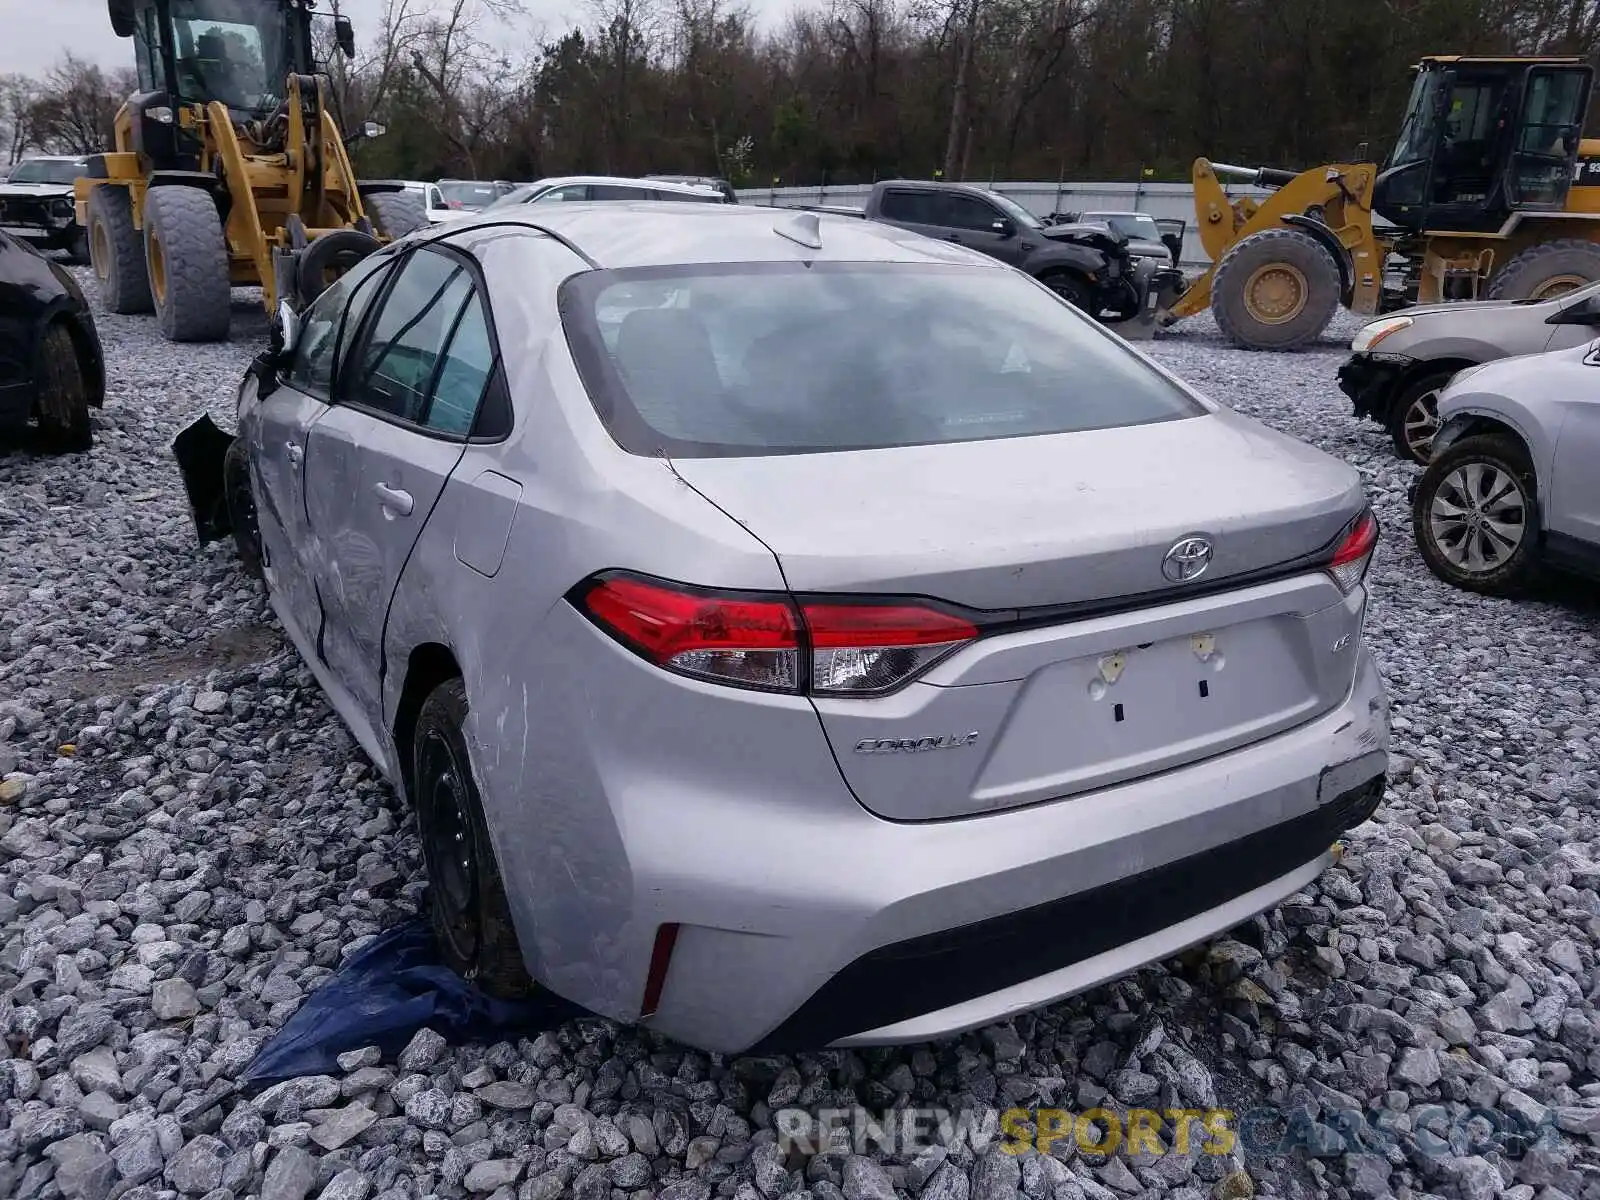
x: 792, y: 631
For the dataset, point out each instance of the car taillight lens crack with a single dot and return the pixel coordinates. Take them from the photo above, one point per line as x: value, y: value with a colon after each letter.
x: 772, y: 642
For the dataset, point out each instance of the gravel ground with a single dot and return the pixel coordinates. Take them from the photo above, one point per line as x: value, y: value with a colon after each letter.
x: 189, y: 843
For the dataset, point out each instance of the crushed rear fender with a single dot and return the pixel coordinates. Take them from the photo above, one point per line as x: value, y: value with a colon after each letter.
x: 200, y: 449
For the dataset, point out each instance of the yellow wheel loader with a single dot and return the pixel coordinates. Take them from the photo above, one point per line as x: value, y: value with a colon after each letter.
x: 1490, y: 192
x: 229, y: 170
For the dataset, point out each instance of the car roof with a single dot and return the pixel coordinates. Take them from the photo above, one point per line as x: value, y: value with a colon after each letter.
x: 629, y: 233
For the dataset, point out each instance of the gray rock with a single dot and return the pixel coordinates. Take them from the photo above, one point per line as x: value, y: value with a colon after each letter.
x: 946, y: 1183
x: 866, y: 1180
x: 342, y: 1126
x: 84, y: 1171
x: 173, y: 1000
x: 349, y: 1184
x: 423, y: 1052
x: 1418, y: 1067
x: 139, y: 1157
x: 493, y: 1173
x: 506, y: 1095
x: 291, y: 1174
x: 996, y: 1175
x: 197, y: 1168
x: 630, y: 1171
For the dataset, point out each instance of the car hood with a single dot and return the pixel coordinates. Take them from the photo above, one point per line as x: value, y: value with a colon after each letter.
x: 1024, y: 522
x: 1523, y: 379
x: 1148, y: 249
x: 1097, y: 236
x: 44, y: 190
x: 1468, y: 308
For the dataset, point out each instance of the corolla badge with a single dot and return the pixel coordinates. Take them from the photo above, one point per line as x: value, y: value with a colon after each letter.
x: 950, y: 741
x: 1187, y: 560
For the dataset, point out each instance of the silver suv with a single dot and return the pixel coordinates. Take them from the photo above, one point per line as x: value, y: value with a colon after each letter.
x: 1512, y: 486
x: 1400, y: 363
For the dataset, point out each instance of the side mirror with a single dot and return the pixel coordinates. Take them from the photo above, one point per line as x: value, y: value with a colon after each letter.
x: 1363, y: 152
x: 1004, y: 227
x: 1584, y: 312
x: 285, y: 332
x: 345, y: 33
x: 373, y: 129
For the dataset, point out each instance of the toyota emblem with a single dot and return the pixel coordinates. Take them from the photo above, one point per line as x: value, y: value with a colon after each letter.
x: 1187, y: 560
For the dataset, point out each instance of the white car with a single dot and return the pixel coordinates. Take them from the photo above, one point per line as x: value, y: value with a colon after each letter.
x: 433, y: 202
x: 36, y: 204
x: 571, y: 188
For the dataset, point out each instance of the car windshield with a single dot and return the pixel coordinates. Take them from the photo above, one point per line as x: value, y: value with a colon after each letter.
x: 1133, y: 226
x: 43, y: 170
x: 1015, y: 211
x: 780, y: 358
x: 466, y: 194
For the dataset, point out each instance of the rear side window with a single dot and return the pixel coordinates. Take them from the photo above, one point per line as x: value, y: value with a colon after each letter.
x: 916, y: 208
x: 617, y: 191
x: 780, y: 358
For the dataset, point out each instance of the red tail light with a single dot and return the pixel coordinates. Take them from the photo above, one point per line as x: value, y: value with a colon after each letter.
x: 764, y: 641
x: 867, y: 649
x: 1353, y: 555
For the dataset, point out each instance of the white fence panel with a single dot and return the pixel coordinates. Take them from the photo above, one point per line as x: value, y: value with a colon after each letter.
x: 1042, y: 199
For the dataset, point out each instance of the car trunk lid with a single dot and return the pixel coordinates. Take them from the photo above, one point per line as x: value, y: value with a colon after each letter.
x: 1095, y: 666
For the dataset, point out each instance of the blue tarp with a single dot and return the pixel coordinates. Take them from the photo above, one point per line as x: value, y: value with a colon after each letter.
x: 387, y: 991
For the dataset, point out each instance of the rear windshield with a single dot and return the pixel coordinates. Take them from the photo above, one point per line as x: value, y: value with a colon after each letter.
x: 784, y: 358
x: 1129, y: 226
x: 470, y: 195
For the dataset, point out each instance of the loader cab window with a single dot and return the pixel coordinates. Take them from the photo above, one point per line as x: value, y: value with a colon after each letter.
x: 1540, y: 172
x: 234, y: 51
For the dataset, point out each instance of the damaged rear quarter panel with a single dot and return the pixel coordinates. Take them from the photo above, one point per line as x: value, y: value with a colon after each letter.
x: 582, y: 912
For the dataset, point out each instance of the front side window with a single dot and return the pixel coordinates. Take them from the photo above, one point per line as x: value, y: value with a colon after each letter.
x: 1023, y: 218
x: 396, y: 359
x: 963, y: 212
x: 572, y: 191
x: 340, y: 307
x: 778, y: 358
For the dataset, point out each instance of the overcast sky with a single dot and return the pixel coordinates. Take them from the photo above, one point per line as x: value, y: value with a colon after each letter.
x: 35, y: 33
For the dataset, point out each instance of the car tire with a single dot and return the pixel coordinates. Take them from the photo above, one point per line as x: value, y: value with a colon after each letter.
x: 241, y: 506
x: 1413, y: 417
x: 116, y: 251
x: 466, y: 901
x: 1070, y: 288
x: 1275, y: 290
x: 1546, y: 271
x: 187, y: 257
x: 1481, y: 475
x: 63, y: 403
x: 395, y: 214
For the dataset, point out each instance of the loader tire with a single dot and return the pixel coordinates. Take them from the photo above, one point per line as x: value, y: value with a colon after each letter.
x: 1544, y: 272
x: 188, y: 260
x: 116, y: 251
x: 326, y: 258
x: 1275, y: 290
x: 395, y: 214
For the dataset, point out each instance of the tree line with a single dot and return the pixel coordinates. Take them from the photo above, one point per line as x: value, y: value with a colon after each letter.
x: 847, y: 91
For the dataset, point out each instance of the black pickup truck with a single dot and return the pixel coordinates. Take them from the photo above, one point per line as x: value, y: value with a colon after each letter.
x: 1087, y: 264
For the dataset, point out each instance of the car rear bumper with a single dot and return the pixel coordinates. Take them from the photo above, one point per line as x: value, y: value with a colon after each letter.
x: 1369, y: 382
x: 802, y: 920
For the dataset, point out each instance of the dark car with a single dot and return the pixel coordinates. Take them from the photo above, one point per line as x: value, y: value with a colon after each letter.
x: 51, y: 369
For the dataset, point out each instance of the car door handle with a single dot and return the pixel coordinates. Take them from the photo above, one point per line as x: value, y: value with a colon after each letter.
x: 395, y: 502
x: 295, y: 453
